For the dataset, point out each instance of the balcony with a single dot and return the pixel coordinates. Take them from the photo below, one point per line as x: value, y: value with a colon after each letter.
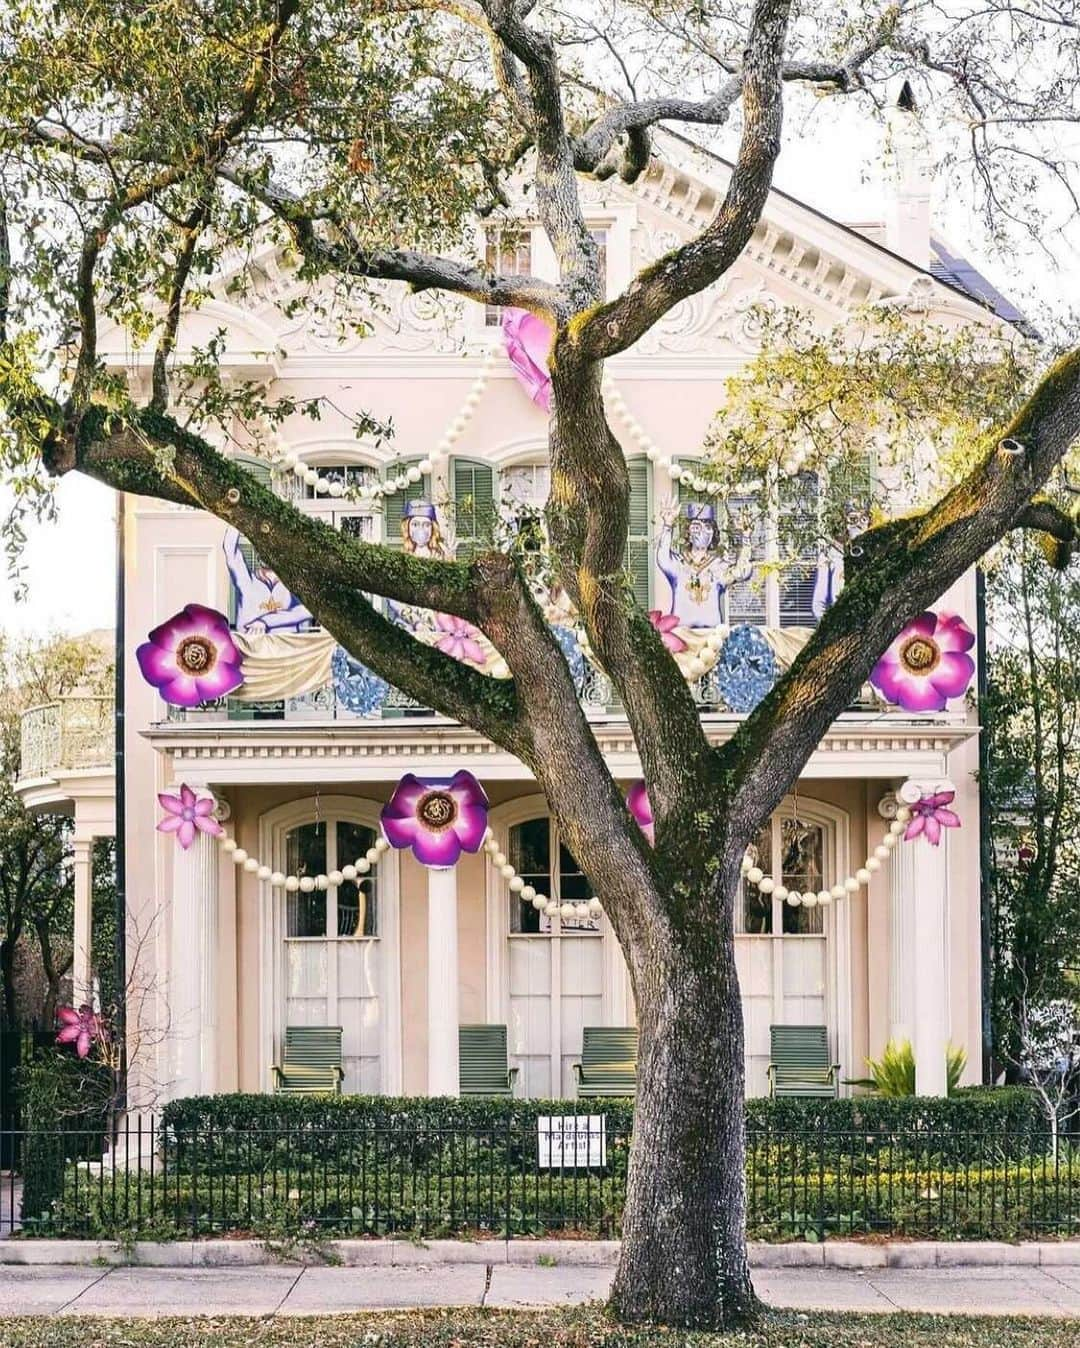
x: 66, y: 753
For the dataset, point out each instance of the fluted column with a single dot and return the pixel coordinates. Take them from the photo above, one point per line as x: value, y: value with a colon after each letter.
x: 82, y: 953
x: 194, y: 965
x: 442, y: 981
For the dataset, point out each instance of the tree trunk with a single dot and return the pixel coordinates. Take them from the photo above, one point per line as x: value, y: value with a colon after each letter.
x: 7, y: 981
x: 684, y: 1256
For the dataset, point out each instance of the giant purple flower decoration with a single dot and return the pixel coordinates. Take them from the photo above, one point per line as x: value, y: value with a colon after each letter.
x: 637, y: 802
x: 929, y: 816
x: 80, y: 1028
x: 191, y: 658
x: 665, y: 624
x: 186, y: 815
x: 438, y: 821
x: 528, y: 341
x: 459, y: 639
x: 927, y: 664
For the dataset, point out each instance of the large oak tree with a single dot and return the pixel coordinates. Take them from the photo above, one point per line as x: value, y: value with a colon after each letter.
x: 140, y: 141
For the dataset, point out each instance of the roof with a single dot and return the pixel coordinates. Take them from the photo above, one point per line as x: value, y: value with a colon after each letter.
x: 961, y: 275
x: 955, y: 272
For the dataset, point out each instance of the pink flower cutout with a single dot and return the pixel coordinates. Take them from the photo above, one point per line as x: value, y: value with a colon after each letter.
x: 185, y: 815
x: 929, y: 816
x: 528, y: 343
x: 437, y: 821
x: 459, y: 640
x: 191, y: 658
x: 80, y: 1028
x: 637, y: 802
x: 927, y: 664
x: 665, y: 624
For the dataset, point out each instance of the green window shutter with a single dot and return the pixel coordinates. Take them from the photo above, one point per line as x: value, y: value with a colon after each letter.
x: 639, y: 542
x: 683, y: 493
x: 474, y: 506
x: 394, y: 506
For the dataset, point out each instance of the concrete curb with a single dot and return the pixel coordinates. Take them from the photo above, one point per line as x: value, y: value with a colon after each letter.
x: 849, y: 1254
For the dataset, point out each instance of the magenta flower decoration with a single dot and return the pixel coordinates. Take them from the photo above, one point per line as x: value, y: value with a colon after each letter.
x: 80, y: 1028
x: 665, y: 624
x: 459, y: 639
x: 929, y: 816
x: 186, y: 815
x: 191, y: 658
x: 637, y: 802
x: 528, y: 341
x: 927, y: 664
x: 437, y: 820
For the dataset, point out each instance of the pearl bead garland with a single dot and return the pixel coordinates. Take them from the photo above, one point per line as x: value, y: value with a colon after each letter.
x: 767, y: 885
x: 516, y: 884
x: 305, y: 884
x: 310, y: 475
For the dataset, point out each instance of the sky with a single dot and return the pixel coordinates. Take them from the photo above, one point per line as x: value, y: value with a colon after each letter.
x: 70, y: 565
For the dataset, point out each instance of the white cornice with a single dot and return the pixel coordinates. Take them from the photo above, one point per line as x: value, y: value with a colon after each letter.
x: 856, y: 746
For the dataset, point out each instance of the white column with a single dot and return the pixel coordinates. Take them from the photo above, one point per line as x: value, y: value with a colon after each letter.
x: 928, y: 898
x: 901, y: 933
x: 194, y: 973
x: 81, y: 976
x: 442, y: 981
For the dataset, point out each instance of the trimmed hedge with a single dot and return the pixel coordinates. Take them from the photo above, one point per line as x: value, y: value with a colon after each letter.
x: 63, y: 1100
x: 972, y: 1110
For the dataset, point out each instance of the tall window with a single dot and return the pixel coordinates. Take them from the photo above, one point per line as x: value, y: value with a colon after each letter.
x: 346, y: 910
x: 600, y: 235
x: 508, y: 253
x: 792, y: 852
x: 544, y: 863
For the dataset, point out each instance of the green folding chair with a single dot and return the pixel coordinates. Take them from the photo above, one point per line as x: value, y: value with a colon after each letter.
x: 608, y: 1063
x: 800, y: 1062
x: 483, y: 1068
x: 311, y: 1063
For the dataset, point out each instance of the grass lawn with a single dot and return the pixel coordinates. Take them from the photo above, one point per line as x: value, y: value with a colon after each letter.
x: 540, y: 1329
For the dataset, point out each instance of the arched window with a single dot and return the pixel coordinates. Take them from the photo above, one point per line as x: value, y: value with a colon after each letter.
x: 548, y: 866
x: 348, y: 910
x: 791, y: 851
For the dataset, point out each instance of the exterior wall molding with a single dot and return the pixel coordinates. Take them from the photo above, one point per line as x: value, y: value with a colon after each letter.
x: 377, y: 750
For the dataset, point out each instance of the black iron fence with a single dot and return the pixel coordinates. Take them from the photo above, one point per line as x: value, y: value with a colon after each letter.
x: 564, y: 1175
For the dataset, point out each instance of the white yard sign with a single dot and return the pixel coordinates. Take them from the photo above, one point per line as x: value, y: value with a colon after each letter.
x: 571, y: 1141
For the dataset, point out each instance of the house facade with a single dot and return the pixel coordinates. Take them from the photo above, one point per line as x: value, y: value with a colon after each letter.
x: 302, y: 759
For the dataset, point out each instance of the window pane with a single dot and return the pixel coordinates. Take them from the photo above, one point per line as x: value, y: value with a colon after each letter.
x: 508, y: 253
x: 803, y: 870
x: 746, y: 525
x: 574, y: 888
x: 357, y: 904
x: 305, y: 854
x: 601, y: 238
x: 757, y: 908
x: 530, y: 856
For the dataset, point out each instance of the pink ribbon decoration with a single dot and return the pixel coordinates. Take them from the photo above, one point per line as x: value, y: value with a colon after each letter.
x: 528, y: 343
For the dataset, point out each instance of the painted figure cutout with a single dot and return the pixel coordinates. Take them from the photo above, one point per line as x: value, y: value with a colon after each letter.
x: 263, y: 601
x: 695, y: 567
x: 420, y: 532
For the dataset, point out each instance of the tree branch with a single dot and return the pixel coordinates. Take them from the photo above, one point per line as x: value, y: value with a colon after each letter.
x: 151, y: 455
x: 610, y: 328
x: 193, y: 227
x: 903, y: 575
x: 1056, y: 528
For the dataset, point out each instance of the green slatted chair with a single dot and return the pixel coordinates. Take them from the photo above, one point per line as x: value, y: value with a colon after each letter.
x: 800, y: 1062
x: 608, y: 1063
x: 312, y: 1060
x: 482, y: 1061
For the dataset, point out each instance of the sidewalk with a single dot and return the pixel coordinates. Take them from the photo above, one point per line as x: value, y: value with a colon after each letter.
x: 268, y: 1290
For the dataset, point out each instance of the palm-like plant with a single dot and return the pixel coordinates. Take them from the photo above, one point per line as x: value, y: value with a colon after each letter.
x: 893, y: 1074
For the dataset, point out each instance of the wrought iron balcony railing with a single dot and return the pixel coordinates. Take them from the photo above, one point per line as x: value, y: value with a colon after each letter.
x: 67, y: 735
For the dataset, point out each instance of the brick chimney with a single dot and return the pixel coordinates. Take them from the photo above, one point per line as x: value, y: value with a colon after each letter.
x: 907, y: 181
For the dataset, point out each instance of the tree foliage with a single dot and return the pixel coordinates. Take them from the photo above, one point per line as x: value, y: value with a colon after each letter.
x: 1031, y: 715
